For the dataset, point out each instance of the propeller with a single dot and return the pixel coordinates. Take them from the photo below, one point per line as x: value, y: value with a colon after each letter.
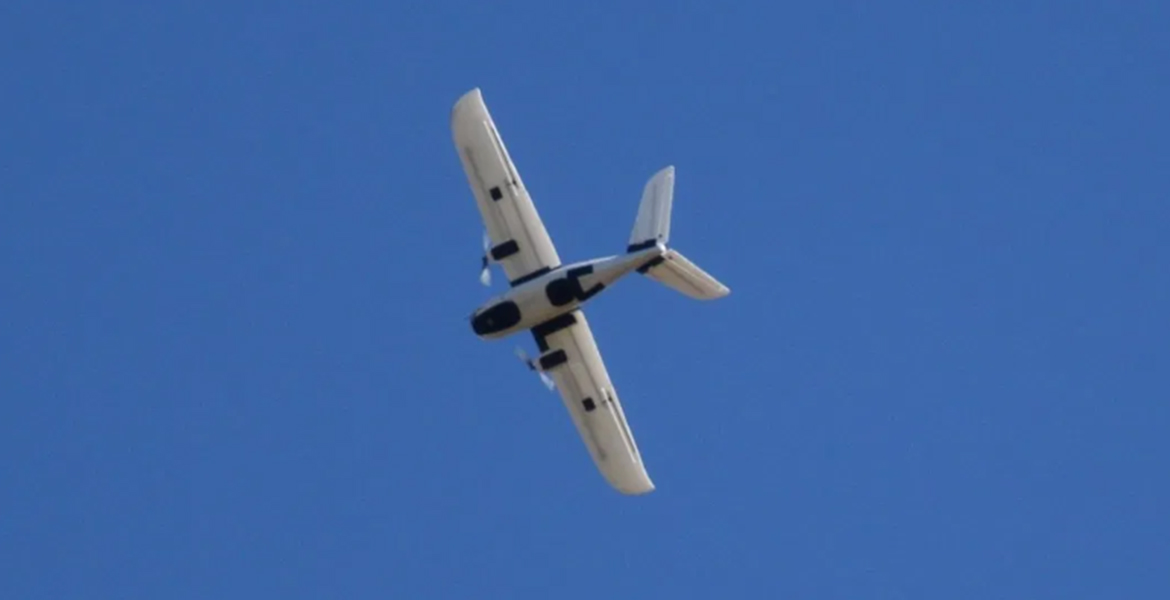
x: 485, y: 272
x: 523, y: 356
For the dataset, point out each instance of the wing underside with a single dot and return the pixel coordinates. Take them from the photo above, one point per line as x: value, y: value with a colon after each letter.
x: 520, y: 243
x: 591, y: 400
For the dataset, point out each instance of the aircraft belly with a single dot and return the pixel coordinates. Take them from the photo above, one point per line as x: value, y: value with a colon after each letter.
x: 536, y: 308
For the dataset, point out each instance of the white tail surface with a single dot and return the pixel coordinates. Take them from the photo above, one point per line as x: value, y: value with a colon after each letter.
x: 653, y: 223
x: 685, y: 277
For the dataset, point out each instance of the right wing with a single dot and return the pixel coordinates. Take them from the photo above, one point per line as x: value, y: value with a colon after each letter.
x: 520, y: 242
x: 571, y: 358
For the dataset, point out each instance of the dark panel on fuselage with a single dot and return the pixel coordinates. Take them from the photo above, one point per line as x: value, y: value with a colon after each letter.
x: 550, y: 327
x: 653, y: 262
x: 562, y: 291
x: 497, y: 318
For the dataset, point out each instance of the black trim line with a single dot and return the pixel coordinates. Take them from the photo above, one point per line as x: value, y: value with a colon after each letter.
x: 646, y: 245
x: 531, y: 276
x: 591, y: 292
x: 650, y: 264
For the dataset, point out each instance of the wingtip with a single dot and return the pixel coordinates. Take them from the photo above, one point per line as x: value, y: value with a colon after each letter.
x: 636, y: 491
x: 474, y: 95
x: 469, y: 107
x: 635, y: 483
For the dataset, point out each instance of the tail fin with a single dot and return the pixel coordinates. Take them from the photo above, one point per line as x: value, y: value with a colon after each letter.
x: 652, y: 228
x: 653, y: 223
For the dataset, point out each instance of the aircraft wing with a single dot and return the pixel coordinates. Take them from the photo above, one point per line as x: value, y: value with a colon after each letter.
x: 520, y: 242
x: 570, y: 356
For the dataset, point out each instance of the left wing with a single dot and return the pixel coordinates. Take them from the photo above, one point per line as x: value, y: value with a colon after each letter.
x: 520, y: 242
x: 570, y: 356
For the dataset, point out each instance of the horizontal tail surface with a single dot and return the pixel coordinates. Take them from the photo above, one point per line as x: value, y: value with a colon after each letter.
x: 676, y: 272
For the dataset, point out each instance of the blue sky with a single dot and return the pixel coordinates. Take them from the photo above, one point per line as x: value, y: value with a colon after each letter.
x: 238, y: 252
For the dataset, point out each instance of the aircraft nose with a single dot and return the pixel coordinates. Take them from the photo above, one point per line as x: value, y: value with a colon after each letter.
x: 482, y: 324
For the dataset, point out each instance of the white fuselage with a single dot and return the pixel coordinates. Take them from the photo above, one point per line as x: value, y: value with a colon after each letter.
x: 559, y: 291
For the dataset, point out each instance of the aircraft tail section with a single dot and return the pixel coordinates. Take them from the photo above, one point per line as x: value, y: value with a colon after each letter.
x: 673, y: 270
x: 652, y: 228
x: 653, y: 223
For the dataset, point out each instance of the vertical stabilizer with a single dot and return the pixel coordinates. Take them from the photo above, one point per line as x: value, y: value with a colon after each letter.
x: 653, y: 223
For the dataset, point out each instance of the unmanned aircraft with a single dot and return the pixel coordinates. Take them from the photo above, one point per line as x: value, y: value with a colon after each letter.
x: 545, y: 296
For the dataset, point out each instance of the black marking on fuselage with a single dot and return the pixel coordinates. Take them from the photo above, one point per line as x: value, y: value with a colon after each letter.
x: 591, y: 292
x: 531, y: 276
x: 585, y: 294
x: 497, y: 318
x: 588, y: 404
x: 505, y: 250
x: 650, y: 264
x: 496, y: 193
x: 646, y: 245
x: 563, y: 291
x: 551, y: 326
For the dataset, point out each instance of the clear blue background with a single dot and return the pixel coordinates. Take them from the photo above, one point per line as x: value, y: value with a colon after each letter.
x: 238, y: 251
